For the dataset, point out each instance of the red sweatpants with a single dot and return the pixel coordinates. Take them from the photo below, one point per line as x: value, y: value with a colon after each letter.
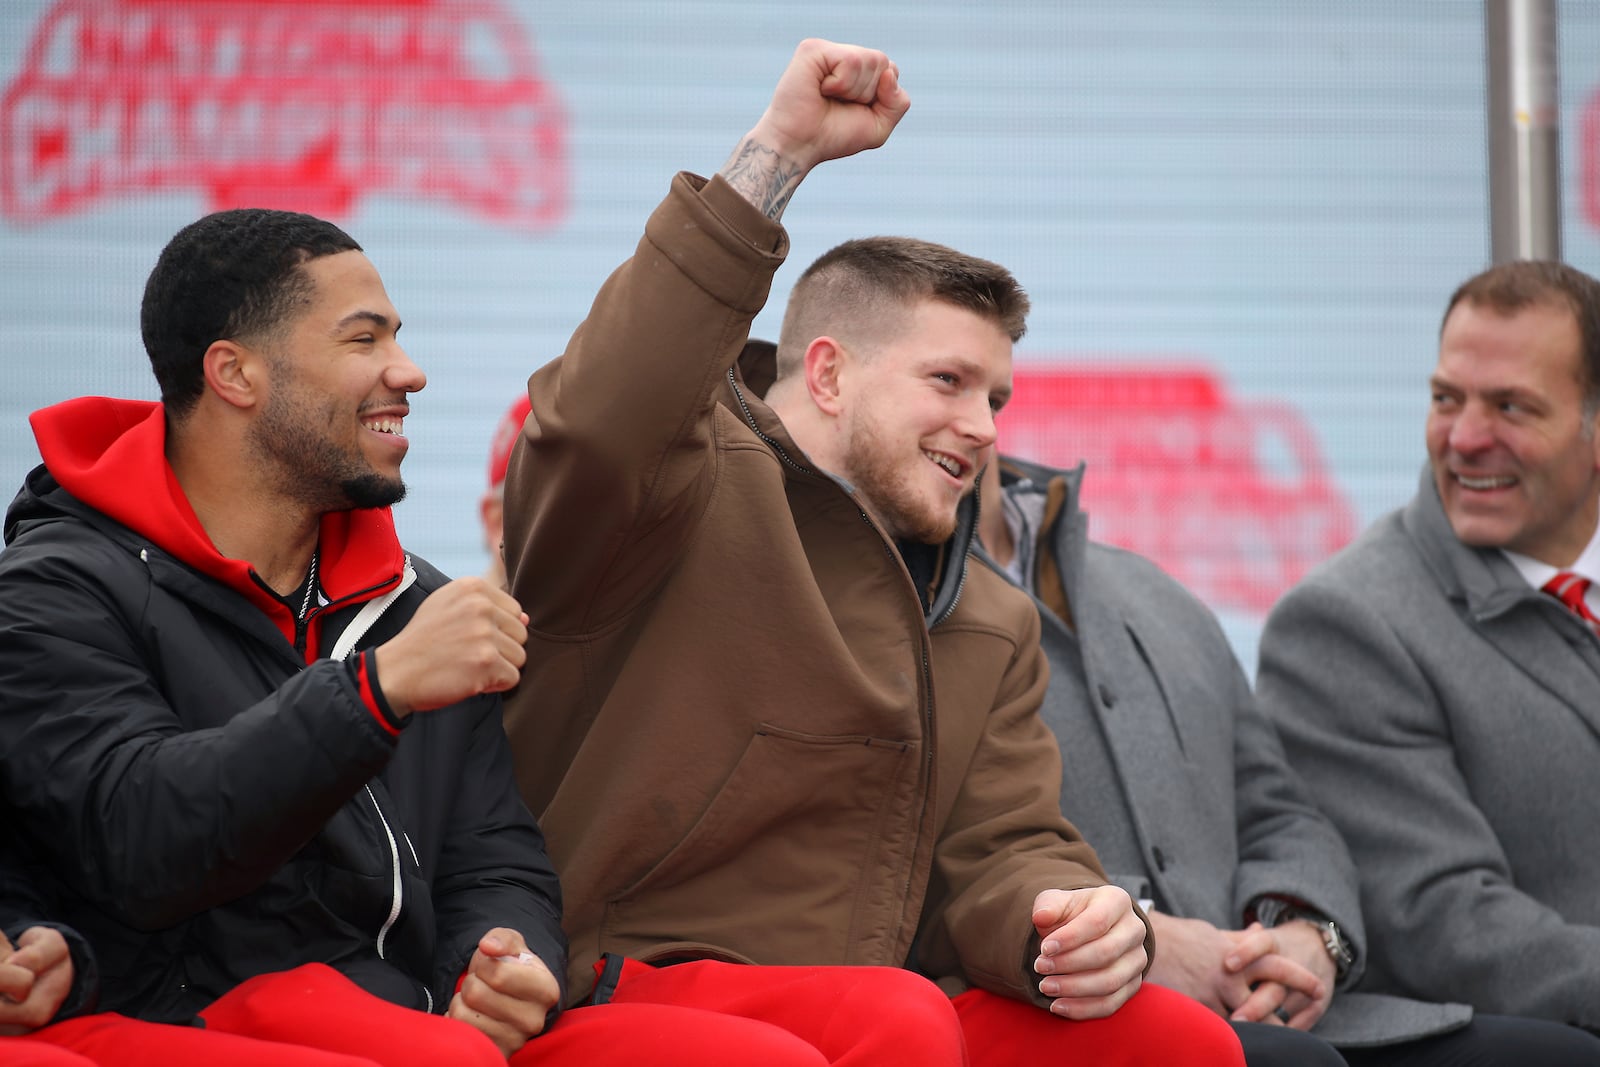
x: 311, y: 1016
x: 25, y: 1052
x: 889, y: 1016
x: 109, y: 1040
x: 1157, y: 1027
x: 314, y: 1016
x: 702, y: 1014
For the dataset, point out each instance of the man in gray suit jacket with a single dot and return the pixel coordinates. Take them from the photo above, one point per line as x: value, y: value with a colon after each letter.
x: 1444, y: 710
x: 1176, y: 777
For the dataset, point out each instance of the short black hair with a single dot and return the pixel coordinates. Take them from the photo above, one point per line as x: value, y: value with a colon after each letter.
x: 231, y: 274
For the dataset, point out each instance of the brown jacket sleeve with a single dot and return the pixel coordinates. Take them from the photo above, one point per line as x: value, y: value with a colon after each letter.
x: 617, y: 459
x: 1005, y: 839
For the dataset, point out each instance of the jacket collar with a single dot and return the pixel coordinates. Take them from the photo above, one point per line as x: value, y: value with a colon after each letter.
x: 1062, y: 535
x: 1534, y: 632
x: 748, y: 381
x: 1481, y: 578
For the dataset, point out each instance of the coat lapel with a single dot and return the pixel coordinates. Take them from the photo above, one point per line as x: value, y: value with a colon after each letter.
x: 1534, y: 632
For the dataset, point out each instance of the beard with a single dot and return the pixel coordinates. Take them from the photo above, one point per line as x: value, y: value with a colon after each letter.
x: 311, y: 467
x: 884, y: 484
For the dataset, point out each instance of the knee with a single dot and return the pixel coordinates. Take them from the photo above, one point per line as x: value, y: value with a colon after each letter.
x: 1187, y: 1030
x: 904, y: 1007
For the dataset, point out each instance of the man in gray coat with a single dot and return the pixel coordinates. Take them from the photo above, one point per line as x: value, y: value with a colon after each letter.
x: 1176, y: 777
x: 1438, y: 685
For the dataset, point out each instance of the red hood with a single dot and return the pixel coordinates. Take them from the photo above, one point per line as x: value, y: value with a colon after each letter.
x: 111, y: 454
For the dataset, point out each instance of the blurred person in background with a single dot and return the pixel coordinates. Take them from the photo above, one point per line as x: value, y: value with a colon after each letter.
x: 491, y: 505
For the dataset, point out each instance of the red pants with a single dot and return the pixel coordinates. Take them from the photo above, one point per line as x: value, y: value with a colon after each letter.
x: 888, y: 1016
x: 314, y: 1016
x: 1156, y: 1027
x: 702, y: 1014
x: 24, y: 1052
x: 311, y: 1016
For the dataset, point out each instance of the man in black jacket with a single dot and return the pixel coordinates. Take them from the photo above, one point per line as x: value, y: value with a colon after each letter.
x: 251, y: 747
x: 48, y: 988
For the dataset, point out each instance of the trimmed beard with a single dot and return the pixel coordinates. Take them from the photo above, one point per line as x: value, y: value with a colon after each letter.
x: 310, y: 468
x: 879, y: 482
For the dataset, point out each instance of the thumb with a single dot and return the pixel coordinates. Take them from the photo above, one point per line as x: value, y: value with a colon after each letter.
x: 1049, y: 910
x: 502, y: 941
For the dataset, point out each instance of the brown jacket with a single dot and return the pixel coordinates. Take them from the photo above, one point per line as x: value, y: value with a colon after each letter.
x: 739, y: 736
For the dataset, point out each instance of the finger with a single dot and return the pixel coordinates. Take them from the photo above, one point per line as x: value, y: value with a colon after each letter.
x: 1095, y: 1007
x: 1295, y: 1002
x: 892, y: 99
x: 1092, y: 984
x: 1265, y: 999
x: 854, y: 76
x: 505, y: 964
x: 525, y: 1017
x: 16, y: 982
x: 1306, y: 1017
x: 512, y: 648
x: 505, y: 1037
x: 1086, y: 950
x: 513, y: 625
x: 1286, y: 972
x: 1248, y: 947
x: 40, y: 948
x: 1302, y: 1012
x: 1079, y: 927
x: 1049, y: 911
x: 504, y: 600
x: 501, y: 941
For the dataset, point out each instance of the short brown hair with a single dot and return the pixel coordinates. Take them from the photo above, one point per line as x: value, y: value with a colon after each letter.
x: 860, y: 290
x: 1515, y: 286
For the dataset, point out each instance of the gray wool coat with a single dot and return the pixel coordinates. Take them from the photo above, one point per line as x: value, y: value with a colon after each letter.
x: 1447, y: 717
x: 1171, y: 770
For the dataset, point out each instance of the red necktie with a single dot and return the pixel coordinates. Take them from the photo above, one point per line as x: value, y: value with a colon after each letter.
x: 1569, y: 588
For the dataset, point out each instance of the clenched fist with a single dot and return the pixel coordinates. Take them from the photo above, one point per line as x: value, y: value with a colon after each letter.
x: 832, y: 101
x: 466, y: 639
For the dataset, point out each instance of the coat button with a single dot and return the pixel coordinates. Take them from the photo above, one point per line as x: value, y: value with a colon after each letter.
x: 1160, y: 858
x: 1107, y: 697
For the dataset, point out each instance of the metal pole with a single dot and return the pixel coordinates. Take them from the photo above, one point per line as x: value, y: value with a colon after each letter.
x: 1524, y: 130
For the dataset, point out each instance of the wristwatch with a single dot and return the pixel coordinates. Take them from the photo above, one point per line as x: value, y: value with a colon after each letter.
x: 1275, y: 911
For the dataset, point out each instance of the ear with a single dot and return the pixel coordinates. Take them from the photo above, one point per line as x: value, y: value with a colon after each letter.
x: 825, y: 364
x: 234, y: 373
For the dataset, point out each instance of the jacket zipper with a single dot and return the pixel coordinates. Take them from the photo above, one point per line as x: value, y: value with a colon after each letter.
x: 927, y: 667
x: 750, y: 419
x: 348, y: 638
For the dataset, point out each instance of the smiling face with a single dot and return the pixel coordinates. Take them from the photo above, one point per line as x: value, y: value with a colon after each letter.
x: 918, y: 417
x: 1513, y: 448
x: 331, y: 428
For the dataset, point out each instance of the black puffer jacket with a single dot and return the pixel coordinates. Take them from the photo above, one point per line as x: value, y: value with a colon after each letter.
x: 206, y: 804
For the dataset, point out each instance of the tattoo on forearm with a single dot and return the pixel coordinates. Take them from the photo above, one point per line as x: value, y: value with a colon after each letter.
x: 762, y: 177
